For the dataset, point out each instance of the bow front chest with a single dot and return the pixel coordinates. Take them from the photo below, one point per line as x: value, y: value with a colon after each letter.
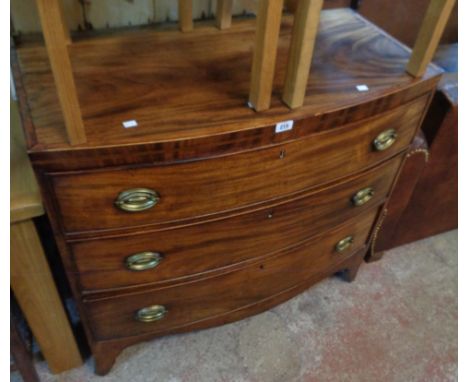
x: 185, y: 208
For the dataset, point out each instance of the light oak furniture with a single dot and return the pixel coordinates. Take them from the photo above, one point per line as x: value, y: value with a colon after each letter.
x: 30, y: 276
x: 175, y: 205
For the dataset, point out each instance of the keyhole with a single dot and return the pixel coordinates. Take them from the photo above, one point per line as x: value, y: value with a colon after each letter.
x: 282, y: 153
x: 270, y: 214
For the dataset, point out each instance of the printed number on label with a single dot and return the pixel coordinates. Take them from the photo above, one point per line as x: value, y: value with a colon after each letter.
x: 284, y: 126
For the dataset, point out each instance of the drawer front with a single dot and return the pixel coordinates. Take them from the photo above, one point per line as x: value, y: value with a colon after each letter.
x: 196, y: 301
x: 87, y: 201
x: 191, y: 250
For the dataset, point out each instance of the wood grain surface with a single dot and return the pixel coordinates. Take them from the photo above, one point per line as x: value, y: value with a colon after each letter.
x: 193, y: 250
x: 192, y: 302
x: 248, y: 217
x: 230, y: 182
x: 169, y: 152
x: 213, y: 68
x: 106, y: 351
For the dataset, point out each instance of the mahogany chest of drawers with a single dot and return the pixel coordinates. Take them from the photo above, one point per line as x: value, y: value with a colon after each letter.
x: 206, y: 212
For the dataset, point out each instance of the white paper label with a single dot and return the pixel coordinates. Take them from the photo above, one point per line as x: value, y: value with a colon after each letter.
x: 129, y: 124
x: 284, y: 126
x: 362, y: 88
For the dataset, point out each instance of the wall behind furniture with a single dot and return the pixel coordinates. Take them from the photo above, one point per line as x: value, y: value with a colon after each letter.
x: 101, y: 14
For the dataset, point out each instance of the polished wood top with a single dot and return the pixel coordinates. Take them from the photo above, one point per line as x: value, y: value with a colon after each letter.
x: 188, y: 85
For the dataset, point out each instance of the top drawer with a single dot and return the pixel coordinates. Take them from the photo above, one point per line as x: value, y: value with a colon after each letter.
x: 89, y: 200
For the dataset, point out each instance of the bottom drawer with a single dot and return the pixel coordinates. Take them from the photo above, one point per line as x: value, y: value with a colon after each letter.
x: 187, y: 303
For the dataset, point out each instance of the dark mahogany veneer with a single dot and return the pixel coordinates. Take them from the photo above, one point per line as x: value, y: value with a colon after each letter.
x: 246, y: 217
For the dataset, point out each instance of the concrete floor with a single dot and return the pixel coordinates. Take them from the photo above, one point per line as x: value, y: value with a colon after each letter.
x: 396, y: 322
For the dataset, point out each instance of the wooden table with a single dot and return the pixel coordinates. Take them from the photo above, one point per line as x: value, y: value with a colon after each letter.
x: 31, y: 279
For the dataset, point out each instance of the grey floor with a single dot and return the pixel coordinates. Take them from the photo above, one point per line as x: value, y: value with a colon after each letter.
x: 396, y: 322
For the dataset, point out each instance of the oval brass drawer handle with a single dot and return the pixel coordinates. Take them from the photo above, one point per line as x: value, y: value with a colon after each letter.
x: 344, y: 244
x: 385, y: 139
x: 151, y: 313
x: 363, y: 196
x: 137, y: 199
x: 143, y: 261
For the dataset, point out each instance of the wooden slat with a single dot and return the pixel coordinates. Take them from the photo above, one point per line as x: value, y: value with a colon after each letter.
x: 224, y: 14
x: 38, y: 298
x: 57, y: 39
x: 264, y: 60
x: 429, y: 36
x: 305, y: 28
x: 185, y: 15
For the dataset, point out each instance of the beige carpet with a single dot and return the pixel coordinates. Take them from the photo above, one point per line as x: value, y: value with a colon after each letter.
x: 396, y: 322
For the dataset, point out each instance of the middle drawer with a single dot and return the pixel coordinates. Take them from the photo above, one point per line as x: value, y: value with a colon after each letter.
x: 188, y: 251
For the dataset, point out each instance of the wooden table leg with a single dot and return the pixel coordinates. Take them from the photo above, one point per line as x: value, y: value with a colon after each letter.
x: 21, y: 355
x: 31, y: 281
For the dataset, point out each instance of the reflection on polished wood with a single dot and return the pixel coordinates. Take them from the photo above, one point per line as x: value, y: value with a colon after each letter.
x: 248, y: 214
